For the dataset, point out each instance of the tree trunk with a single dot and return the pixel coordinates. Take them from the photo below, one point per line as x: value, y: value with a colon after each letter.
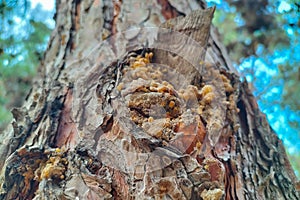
x: 131, y: 106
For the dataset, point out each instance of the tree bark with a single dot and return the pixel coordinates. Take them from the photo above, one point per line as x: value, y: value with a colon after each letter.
x: 139, y: 100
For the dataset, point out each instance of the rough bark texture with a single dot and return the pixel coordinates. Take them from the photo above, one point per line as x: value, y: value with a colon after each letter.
x: 124, y: 111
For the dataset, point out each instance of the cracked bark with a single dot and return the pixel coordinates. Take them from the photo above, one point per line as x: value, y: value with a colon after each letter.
x: 105, y: 120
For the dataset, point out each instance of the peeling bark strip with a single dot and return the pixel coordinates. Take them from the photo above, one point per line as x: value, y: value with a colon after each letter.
x: 123, y: 111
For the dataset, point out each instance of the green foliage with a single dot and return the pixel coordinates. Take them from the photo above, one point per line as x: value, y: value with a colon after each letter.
x: 23, y: 40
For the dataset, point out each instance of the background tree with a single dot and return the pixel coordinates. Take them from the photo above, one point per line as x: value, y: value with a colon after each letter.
x: 229, y: 147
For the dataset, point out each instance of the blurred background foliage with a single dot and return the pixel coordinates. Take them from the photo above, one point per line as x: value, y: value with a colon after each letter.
x: 24, y: 33
x: 261, y: 36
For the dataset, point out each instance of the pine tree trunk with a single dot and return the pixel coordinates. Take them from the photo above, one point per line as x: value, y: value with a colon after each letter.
x: 132, y: 106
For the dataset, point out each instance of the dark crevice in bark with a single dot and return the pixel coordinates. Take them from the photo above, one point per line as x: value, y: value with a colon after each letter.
x: 72, y: 32
x: 168, y: 11
x: 108, y: 14
x: 243, y: 117
x: 231, y: 177
x: 107, y: 125
x: 112, y: 20
x: 104, y: 128
x: 69, y: 43
x: 54, y: 114
x: 77, y: 16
